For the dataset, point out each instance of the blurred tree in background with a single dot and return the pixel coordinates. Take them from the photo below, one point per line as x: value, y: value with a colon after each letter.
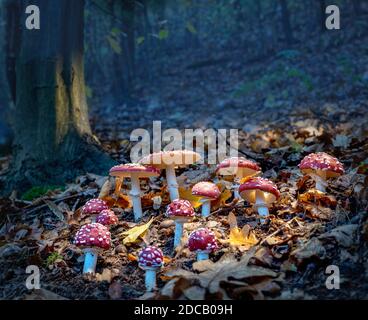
x: 121, y: 48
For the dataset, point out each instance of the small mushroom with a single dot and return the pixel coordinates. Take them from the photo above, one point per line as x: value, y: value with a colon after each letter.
x: 208, y: 192
x: 169, y: 160
x: 93, y: 208
x: 181, y: 211
x: 150, y: 259
x: 134, y: 171
x: 203, y: 242
x: 261, y: 193
x: 92, y: 237
x: 107, y: 218
x: 321, y: 166
x: 237, y: 167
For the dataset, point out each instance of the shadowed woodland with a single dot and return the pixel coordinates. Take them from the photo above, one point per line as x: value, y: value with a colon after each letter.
x: 72, y: 92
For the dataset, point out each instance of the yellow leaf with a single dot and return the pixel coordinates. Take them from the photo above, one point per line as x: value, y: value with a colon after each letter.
x: 133, y: 234
x: 310, y: 196
x: 240, y: 237
x: 245, y: 179
x: 167, y: 259
x: 187, y: 195
x: 317, y: 197
x: 221, y: 201
x: 132, y: 257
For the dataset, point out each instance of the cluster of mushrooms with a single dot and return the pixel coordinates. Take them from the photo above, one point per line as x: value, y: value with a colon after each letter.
x: 255, y: 190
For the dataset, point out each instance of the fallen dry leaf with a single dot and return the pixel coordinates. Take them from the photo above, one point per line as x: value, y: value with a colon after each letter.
x: 132, y: 235
x: 105, y: 190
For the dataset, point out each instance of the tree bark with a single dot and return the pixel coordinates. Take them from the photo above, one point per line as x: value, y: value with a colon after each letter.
x: 53, y: 138
x: 357, y: 6
x: 322, y: 15
x: 11, y: 34
x: 12, y: 40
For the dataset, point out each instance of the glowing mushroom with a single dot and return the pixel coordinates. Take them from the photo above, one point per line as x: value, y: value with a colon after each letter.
x: 169, y: 160
x: 237, y: 167
x: 92, y: 237
x: 93, y: 208
x: 107, y: 218
x: 321, y: 166
x: 208, y: 192
x: 181, y: 211
x: 150, y: 259
x: 261, y: 193
x: 203, y: 242
x: 134, y: 171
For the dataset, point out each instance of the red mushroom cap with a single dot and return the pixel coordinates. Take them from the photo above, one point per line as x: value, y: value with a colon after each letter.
x: 206, y: 189
x: 150, y: 256
x: 93, y: 235
x: 233, y: 165
x: 247, y: 189
x: 321, y: 161
x: 202, y: 239
x: 107, y: 217
x: 125, y: 170
x: 180, y: 208
x: 94, y: 206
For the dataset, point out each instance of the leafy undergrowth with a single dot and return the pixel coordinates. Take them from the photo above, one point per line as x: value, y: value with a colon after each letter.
x: 284, y: 258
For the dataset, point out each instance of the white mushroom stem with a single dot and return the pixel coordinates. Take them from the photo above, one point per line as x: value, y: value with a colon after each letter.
x: 235, y: 187
x: 172, y: 183
x: 179, y: 226
x: 206, y: 207
x: 150, y: 278
x: 320, y: 178
x: 135, y: 194
x: 261, y: 205
x: 90, y: 260
x: 202, y: 255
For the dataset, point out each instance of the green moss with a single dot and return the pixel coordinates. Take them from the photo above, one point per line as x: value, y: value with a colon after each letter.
x: 38, y: 191
x: 52, y: 258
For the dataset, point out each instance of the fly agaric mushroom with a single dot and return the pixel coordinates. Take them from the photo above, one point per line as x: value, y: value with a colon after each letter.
x: 134, y: 171
x: 208, y: 192
x: 203, y: 242
x: 239, y: 168
x: 150, y: 259
x: 261, y: 193
x: 181, y: 211
x: 92, y: 237
x: 107, y: 218
x: 321, y: 166
x: 169, y: 160
x: 93, y: 207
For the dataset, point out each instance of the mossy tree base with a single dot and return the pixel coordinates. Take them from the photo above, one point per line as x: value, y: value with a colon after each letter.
x: 53, y: 141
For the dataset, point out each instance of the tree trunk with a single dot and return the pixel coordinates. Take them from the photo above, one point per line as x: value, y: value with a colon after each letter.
x: 322, y: 15
x: 53, y: 139
x: 12, y: 40
x: 148, y: 41
x: 285, y: 18
x: 11, y: 34
x: 357, y: 6
x: 129, y: 40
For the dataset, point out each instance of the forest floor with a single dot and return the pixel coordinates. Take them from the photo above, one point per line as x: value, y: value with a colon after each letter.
x: 286, y: 106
